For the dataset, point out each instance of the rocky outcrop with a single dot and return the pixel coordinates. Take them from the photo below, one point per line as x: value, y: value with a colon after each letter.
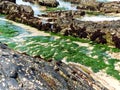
x: 81, y: 1
x: 24, y: 14
x: 100, y: 32
x: 108, y: 7
x: 20, y: 71
x: 93, y: 5
x: 65, y: 23
x: 9, y: 0
x: 50, y: 3
x: 12, y: 8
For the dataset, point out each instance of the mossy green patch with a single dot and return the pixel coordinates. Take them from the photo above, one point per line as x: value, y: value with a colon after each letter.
x: 7, y: 29
x: 51, y: 9
x: 65, y: 47
x: 94, y: 13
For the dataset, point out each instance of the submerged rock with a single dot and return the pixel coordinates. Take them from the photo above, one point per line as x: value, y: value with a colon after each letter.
x: 20, y: 71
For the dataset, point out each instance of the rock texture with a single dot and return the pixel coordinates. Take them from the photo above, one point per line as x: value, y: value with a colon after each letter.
x: 20, y: 71
x: 9, y: 0
x: 81, y: 1
x: 9, y: 8
x: 50, y: 3
x: 93, y: 5
x: 108, y: 7
x: 100, y: 32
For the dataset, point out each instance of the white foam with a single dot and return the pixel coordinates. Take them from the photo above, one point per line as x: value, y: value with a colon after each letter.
x: 99, y: 18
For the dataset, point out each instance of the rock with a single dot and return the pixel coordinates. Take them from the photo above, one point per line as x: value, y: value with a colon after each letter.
x: 12, y: 8
x: 50, y: 3
x: 98, y: 36
x: 26, y: 10
x: 110, y: 7
x: 20, y: 71
x: 31, y: 1
x: 14, y: 1
x: 116, y: 41
x: 81, y: 1
x: 63, y: 22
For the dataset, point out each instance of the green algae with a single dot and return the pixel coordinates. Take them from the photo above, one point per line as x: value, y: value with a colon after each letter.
x: 7, y: 31
x: 49, y: 47
x: 94, y: 13
x: 51, y: 9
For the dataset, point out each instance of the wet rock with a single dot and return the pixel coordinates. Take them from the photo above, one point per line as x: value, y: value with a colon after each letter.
x: 64, y: 22
x: 49, y: 3
x: 9, y: 0
x: 26, y: 10
x: 29, y: 73
x: 98, y: 36
x: 12, y: 8
x: 110, y: 7
x: 31, y: 1
x: 116, y: 41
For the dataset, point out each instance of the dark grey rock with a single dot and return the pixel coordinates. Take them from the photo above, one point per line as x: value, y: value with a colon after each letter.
x: 23, y: 72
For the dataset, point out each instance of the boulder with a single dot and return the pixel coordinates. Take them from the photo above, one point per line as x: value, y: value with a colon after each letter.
x: 10, y: 8
x: 50, y: 3
x: 26, y: 10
